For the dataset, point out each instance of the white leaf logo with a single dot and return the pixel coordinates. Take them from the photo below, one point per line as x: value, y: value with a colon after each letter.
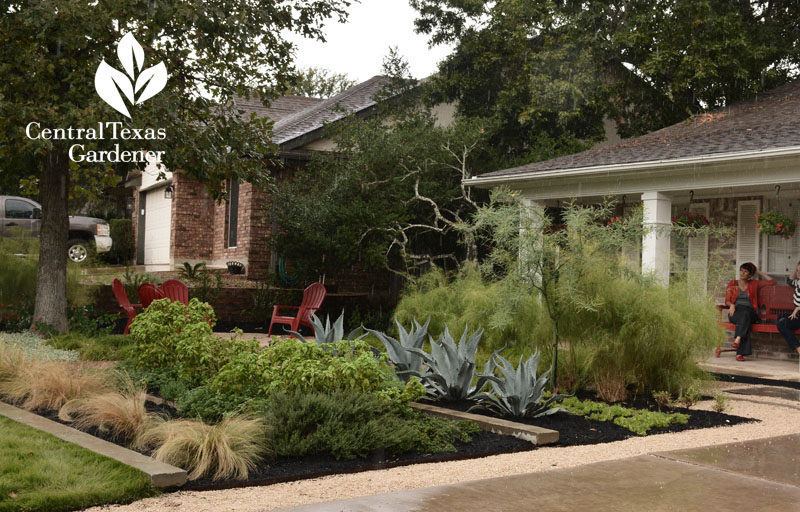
x: 110, y: 82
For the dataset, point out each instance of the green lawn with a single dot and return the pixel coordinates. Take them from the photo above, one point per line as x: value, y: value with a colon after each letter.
x: 41, y: 472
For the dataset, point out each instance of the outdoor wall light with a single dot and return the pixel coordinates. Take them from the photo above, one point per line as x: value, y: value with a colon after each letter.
x: 168, y: 192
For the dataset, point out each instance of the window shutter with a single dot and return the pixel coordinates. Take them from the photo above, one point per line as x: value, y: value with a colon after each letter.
x: 747, y: 235
x: 698, y: 255
x: 782, y: 254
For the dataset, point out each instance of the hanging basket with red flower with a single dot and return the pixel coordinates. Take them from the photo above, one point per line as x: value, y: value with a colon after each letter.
x: 690, y: 220
x: 774, y: 223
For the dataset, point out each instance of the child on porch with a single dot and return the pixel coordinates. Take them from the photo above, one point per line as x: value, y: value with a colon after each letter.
x: 787, y: 324
x: 741, y: 297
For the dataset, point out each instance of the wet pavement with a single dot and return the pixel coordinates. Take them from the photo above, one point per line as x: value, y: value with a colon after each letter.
x: 762, y: 475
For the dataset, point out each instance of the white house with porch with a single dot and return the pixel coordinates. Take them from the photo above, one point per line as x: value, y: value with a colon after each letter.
x: 728, y: 164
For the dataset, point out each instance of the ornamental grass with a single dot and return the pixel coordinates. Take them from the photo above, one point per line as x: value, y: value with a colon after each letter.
x: 230, y: 449
x: 50, y: 385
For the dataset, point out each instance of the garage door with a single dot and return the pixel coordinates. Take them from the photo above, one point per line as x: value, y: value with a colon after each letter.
x: 158, y: 213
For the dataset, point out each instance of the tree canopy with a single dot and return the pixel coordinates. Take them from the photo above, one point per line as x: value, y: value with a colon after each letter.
x: 50, y: 51
x: 561, y: 66
x: 319, y: 83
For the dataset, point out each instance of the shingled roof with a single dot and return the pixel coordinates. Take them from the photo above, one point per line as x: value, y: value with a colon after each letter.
x: 280, y: 107
x: 354, y: 100
x: 770, y: 120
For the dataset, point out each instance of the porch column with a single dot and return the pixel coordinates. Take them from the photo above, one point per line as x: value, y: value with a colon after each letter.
x: 655, y: 242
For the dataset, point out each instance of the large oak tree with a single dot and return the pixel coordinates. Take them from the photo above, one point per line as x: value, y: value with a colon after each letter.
x: 561, y: 66
x: 50, y: 51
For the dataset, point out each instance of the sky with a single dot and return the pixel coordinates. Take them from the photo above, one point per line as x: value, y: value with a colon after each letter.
x: 358, y: 47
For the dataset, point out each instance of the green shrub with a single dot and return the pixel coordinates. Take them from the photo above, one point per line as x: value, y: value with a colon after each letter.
x: 171, y: 334
x: 291, y: 365
x: 349, y: 425
x: 511, y: 317
x: 622, y: 331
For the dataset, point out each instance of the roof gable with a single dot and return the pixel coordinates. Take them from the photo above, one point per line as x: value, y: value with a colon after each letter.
x: 354, y: 100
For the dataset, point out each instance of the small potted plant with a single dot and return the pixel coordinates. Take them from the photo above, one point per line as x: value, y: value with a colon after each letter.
x: 774, y: 223
x: 690, y: 220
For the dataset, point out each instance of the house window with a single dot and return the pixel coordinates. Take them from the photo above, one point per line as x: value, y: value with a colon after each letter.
x: 233, y: 212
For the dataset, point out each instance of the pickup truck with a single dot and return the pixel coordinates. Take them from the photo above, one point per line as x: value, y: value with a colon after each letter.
x: 21, y: 214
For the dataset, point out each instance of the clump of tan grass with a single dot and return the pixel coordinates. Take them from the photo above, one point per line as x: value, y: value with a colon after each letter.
x: 230, y: 449
x: 121, y: 413
x: 49, y: 385
x: 12, y: 361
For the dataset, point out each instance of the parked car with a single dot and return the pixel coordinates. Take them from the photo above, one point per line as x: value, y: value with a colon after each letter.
x: 22, y: 214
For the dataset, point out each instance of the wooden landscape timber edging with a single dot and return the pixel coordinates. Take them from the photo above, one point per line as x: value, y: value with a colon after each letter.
x: 161, y: 475
x: 535, y: 435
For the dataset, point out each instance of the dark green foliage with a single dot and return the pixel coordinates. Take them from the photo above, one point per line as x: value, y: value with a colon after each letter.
x: 211, y: 406
x: 560, y: 68
x: 164, y: 382
x: 121, y: 252
x: 349, y: 425
x: 362, y: 201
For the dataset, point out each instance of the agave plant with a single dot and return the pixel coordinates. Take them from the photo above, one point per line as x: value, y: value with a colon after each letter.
x: 450, y: 367
x: 519, y: 392
x: 406, y: 363
x: 328, y: 333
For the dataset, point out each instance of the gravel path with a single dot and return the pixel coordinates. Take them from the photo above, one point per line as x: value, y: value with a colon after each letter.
x: 778, y: 417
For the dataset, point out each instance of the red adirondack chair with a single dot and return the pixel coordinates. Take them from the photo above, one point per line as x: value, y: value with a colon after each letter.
x: 122, y: 297
x: 312, y: 300
x: 175, y: 290
x: 149, y: 292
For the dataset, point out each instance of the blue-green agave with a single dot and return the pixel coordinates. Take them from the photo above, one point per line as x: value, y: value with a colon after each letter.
x: 327, y: 333
x: 406, y: 363
x: 519, y: 393
x: 450, y: 367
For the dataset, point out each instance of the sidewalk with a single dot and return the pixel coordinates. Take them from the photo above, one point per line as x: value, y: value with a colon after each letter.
x: 761, y: 475
x: 761, y: 368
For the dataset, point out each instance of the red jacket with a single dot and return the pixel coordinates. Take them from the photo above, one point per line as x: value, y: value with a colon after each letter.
x: 752, y: 290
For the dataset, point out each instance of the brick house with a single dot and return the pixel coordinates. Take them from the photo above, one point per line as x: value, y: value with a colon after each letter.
x: 728, y: 164
x: 176, y: 221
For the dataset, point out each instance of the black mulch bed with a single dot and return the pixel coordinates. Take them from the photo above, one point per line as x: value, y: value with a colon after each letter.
x: 578, y: 430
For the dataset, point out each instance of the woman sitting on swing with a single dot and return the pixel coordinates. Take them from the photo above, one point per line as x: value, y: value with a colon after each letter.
x: 741, y: 297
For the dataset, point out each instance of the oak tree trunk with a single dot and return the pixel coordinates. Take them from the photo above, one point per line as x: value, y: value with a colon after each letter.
x: 51, y: 283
